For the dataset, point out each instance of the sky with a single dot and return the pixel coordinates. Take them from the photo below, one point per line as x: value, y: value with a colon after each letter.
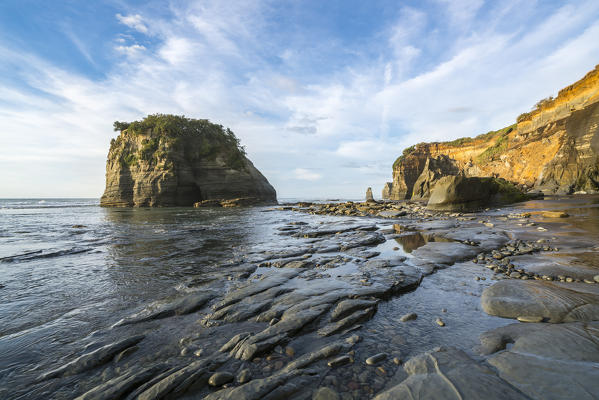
x: 323, y: 94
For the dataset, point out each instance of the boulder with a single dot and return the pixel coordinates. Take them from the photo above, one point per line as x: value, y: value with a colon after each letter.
x: 459, y: 193
x: 435, y: 168
x: 554, y: 301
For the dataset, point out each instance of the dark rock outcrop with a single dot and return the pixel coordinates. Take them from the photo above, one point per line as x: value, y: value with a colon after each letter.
x: 435, y: 168
x: 167, y: 160
x: 458, y: 193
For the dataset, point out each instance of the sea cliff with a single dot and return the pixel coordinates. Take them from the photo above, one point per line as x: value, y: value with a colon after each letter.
x: 167, y: 160
x: 554, y: 148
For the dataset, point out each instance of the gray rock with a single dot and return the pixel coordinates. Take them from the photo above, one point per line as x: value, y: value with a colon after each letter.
x: 347, y: 322
x: 448, y: 373
x: 185, y: 305
x: 347, y: 307
x: 291, y: 379
x: 555, y: 301
x: 408, y: 317
x: 547, y: 361
x: 339, y: 361
x: 325, y: 393
x: 120, y: 386
x: 183, y: 380
x: 376, y: 359
x: 458, y: 193
x: 220, y: 378
x: 244, y: 376
x: 92, y: 359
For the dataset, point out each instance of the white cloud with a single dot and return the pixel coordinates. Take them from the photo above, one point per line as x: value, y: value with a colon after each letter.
x: 306, y: 175
x: 134, y: 21
x: 213, y: 61
x: 130, y: 51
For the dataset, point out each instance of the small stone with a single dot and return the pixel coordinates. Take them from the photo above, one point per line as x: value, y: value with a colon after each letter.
x: 476, y: 278
x: 325, y: 393
x: 279, y: 364
x: 555, y: 214
x: 444, y: 310
x: 273, y: 321
x: 290, y: 351
x: 198, y: 352
x: 569, y: 279
x: 529, y: 318
x: 515, y: 275
x: 440, y: 322
x: 396, y: 361
x: 339, y: 361
x: 220, y: 378
x: 409, y: 317
x: 244, y: 376
x: 353, y: 339
x: 375, y: 359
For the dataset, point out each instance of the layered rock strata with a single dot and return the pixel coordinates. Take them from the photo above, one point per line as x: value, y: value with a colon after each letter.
x: 554, y: 148
x: 166, y: 160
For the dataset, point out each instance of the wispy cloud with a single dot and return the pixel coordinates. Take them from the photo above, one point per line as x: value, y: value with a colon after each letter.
x: 134, y: 21
x: 237, y: 64
x: 306, y: 175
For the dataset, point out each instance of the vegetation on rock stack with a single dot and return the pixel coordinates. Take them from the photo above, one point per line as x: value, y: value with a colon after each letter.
x: 164, y: 131
x: 169, y: 160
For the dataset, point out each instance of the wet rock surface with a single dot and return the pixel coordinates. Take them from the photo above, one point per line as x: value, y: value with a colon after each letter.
x: 347, y: 307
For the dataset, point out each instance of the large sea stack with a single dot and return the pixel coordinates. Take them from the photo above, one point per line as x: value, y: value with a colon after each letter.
x: 554, y: 149
x: 168, y: 160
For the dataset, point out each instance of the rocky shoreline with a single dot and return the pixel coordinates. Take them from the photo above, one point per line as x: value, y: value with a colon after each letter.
x: 367, y: 300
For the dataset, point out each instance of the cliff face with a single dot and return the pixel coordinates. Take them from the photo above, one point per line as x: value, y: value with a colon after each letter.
x: 554, y: 148
x: 174, y: 161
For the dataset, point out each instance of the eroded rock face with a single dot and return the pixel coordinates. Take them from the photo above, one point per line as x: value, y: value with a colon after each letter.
x: 386, y: 193
x: 150, y: 164
x: 555, y: 148
x: 462, y: 193
x: 435, y: 168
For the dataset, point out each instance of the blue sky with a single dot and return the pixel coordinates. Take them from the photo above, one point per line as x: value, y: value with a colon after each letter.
x: 324, y: 94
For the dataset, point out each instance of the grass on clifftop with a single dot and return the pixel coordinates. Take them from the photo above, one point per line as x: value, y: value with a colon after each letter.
x: 196, y: 138
x: 488, y: 154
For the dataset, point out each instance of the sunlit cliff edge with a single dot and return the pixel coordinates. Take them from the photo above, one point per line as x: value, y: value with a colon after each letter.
x: 554, y: 149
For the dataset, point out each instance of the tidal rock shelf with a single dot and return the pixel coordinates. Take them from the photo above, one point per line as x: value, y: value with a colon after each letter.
x: 317, y: 313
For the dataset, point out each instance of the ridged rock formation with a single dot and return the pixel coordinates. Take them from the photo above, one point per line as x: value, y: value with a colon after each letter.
x: 386, y: 193
x: 167, y: 160
x: 554, y: 148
